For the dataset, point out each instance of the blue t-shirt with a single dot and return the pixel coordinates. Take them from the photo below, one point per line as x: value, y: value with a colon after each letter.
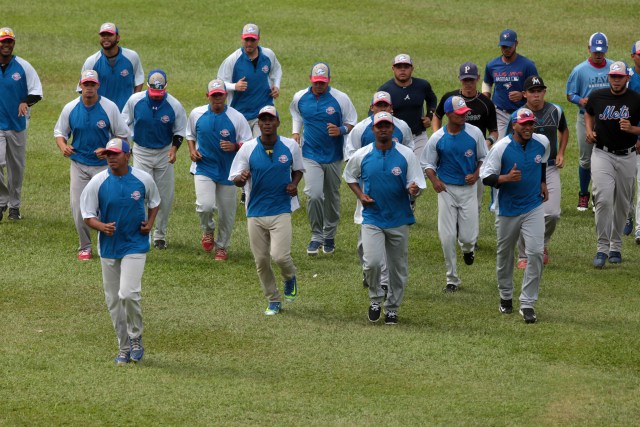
x: 507, y: 78
x: 154, y: 122
x: 17, y: 80
x: 585, y: 78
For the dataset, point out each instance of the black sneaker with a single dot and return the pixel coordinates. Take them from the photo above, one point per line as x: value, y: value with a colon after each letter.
x: 506, y: 306
x: 14, y: 214
x: 529, y: 315
x: 468, y: 257
x: 450, y: 288
x: 391, y: 318
x: 374, y: 312
x: 160, y: 244
x: 2, y: 209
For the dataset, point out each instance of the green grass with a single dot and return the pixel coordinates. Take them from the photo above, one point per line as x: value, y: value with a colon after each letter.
x: 212, y: 357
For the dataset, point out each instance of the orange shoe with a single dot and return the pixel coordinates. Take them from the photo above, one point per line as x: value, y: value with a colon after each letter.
x: 522, y: 264
x: 221, y: 254
x: 545, y: 259
x: 207, y: 242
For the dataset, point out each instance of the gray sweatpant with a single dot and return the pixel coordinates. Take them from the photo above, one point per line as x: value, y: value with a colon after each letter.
x: 508, y: 228
x: 394, y: 243
x: 80, y: 177
x: 156, y: 163
x: 211, y: 195
x: 13, y: 158
x: 122, y: 281
x: 584, y: 148
x: 322, y: 187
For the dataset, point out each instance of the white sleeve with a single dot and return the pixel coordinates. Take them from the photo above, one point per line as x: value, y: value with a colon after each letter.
x: 180, y: 124
x: 63, y: 127
x: 353, y: 141
x: 153, y: 195
x: 481, y: 145
x: 89, y: 203
x: 225, y: 72
x: 275, y: 75
x: 297, y: 163
x: 196, y: 113
x: 127, y: 111
x: 118, y: 126
x: 241, y: 160
x: 353, y: 169
x: 349, y: 114
x: 429, y: 158
x: 296, y: 117
x: 492, y: 164
x: 34, y: 87
x: 243, y: 130
x: 407, y: 135
x: 414, y: 172
x: 138, y: 73
x: 547, y: 147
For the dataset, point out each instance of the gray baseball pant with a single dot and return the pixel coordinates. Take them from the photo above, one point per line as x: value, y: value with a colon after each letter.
x: 13, y: 158
x: 122, y: 281
x: 612, y: 184
x: 211, y: 195
x: 80, y: 177
x: 156, y: 163
x: 457, y: 222
x: 419, y: 143
x: 503, y: 118
x: 394, y: 243
x: 508, y: 228
x: 322, y: 187
x: 584, y: 149
x: 384, y: 272
x: 551, y: 210
x: 270, y: 238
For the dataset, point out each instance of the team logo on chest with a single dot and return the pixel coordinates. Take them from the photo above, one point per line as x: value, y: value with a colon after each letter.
x: 101, y: 124
x: 124, y: 73
x: 265, y: 69
x: 407, y: 98
x: 16, y: 76
x: 283, y: 159
x: 610, y: 113
x: 136, y: 195
x: 330, y: 110
x: 224, y: 133
x: 164, y: 119
x: 538, y: 159
x: 396, y: 171
x: 468, y: 153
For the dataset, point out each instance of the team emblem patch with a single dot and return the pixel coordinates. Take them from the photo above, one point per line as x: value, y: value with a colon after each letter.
x: 101, y: 124
x: 396, y: 171
x: 265, y: 69
x: 124, y: 73
x: 16, y: 76
x: 507, y: 85
x: 283, y: 159
x: 538, y: 158
x: 330, y: 110
x: 396, y: 140
x: 468, y: 153
x: 136, y: 195
x: 165, y: 119
x: 224, y: 133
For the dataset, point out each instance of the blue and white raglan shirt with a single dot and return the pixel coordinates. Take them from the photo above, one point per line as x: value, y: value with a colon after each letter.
x: 314, y: 112
x: 207, y: 129
x: 453, y: 157
x: 270, y: 175
x: 517, y: 198
x: 385, y: 175
x: 586, y: 78
x: 550, y: 120
x: 123, y: 200
x: 18, y: 80
x: 154, y: 123
x: 507, y: 78
x: 634, y: 80
x: 117, y: 80
x: 362, y: 135
x: 90, y: 128
x: 261, y: 75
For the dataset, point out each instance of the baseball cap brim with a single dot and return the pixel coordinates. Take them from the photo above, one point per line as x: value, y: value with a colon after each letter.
x: 320, y: 79
x: 467, y: 76
x: 90, y: 79
x: 506, y: 43
x: 251, y: 36
x: 462, y: 110
x: 7, y: 37
x: 157, y: 92
x: 211, y: 92
x: 526, y: 120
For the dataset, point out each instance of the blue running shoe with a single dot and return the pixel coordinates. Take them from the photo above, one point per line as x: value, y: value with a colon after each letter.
x: 290, y: 289
x: 313, y: 248
x: 123, y: 357
x: 273, y: 309
x: 628, y: 226
x: 600, y: 260
x: 329, y: 246
x: 137, y: 350
x: 615, y: 257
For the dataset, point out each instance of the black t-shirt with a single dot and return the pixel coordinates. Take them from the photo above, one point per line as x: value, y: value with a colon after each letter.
x: 482, y: 114
x: 408, y: 101
x: 607, y: 109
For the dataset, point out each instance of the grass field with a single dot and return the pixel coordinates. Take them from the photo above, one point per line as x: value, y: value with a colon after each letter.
x: 212, y: 357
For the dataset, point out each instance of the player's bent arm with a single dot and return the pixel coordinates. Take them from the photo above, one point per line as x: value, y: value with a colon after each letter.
x: 486, y: 89
x: 436, y: 123
x: 589, y: 125
x: 146, y: 226
x: 137, y: 89
x: 96, y: 224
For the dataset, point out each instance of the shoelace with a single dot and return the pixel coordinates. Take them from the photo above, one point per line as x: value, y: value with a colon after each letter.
x: 207, y: 238
x: 221, y: 252
x: 375, y: 307
x: 122, y: 354
x: 135, y: 344
x: 85, y: 252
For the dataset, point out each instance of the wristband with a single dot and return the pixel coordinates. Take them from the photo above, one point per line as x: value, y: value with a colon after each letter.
x: 177, y: 141
x: 492, y: 139
x: 575, y: 99
x: 344, y: 130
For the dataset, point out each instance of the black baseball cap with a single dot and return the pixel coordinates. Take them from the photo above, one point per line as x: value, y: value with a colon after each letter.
x: 534, y: 82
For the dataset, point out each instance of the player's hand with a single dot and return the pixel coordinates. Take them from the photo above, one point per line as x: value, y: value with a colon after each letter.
x: 333, y: 130
x: 471, y: 178
x: 583, y: 102
x: 100, y: 153
x: 195, y: 155
x: 296, y: 137
x: 292, y: 189
x: 625, y: 125
x: 23, y: 109
x: 592, y: 138
x: 275, y: 92
x: 544, y: 192
x: 514, y: 174
x: 515, y: 96
x: 108, y: 228
x: 228, y: 146
x: 426, y: 121
x: 413, y: 189
x: 172, y: 154
x: 438, y: 185
x: 145, y: 227
x: 68, y: 151
x: 366, y: 200
x: 242, y: 179
x: 559, y: 161
x: 241, y: 85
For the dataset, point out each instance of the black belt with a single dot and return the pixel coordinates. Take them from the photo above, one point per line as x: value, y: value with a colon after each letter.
x: 551, y: 162
x: 622, y: 152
